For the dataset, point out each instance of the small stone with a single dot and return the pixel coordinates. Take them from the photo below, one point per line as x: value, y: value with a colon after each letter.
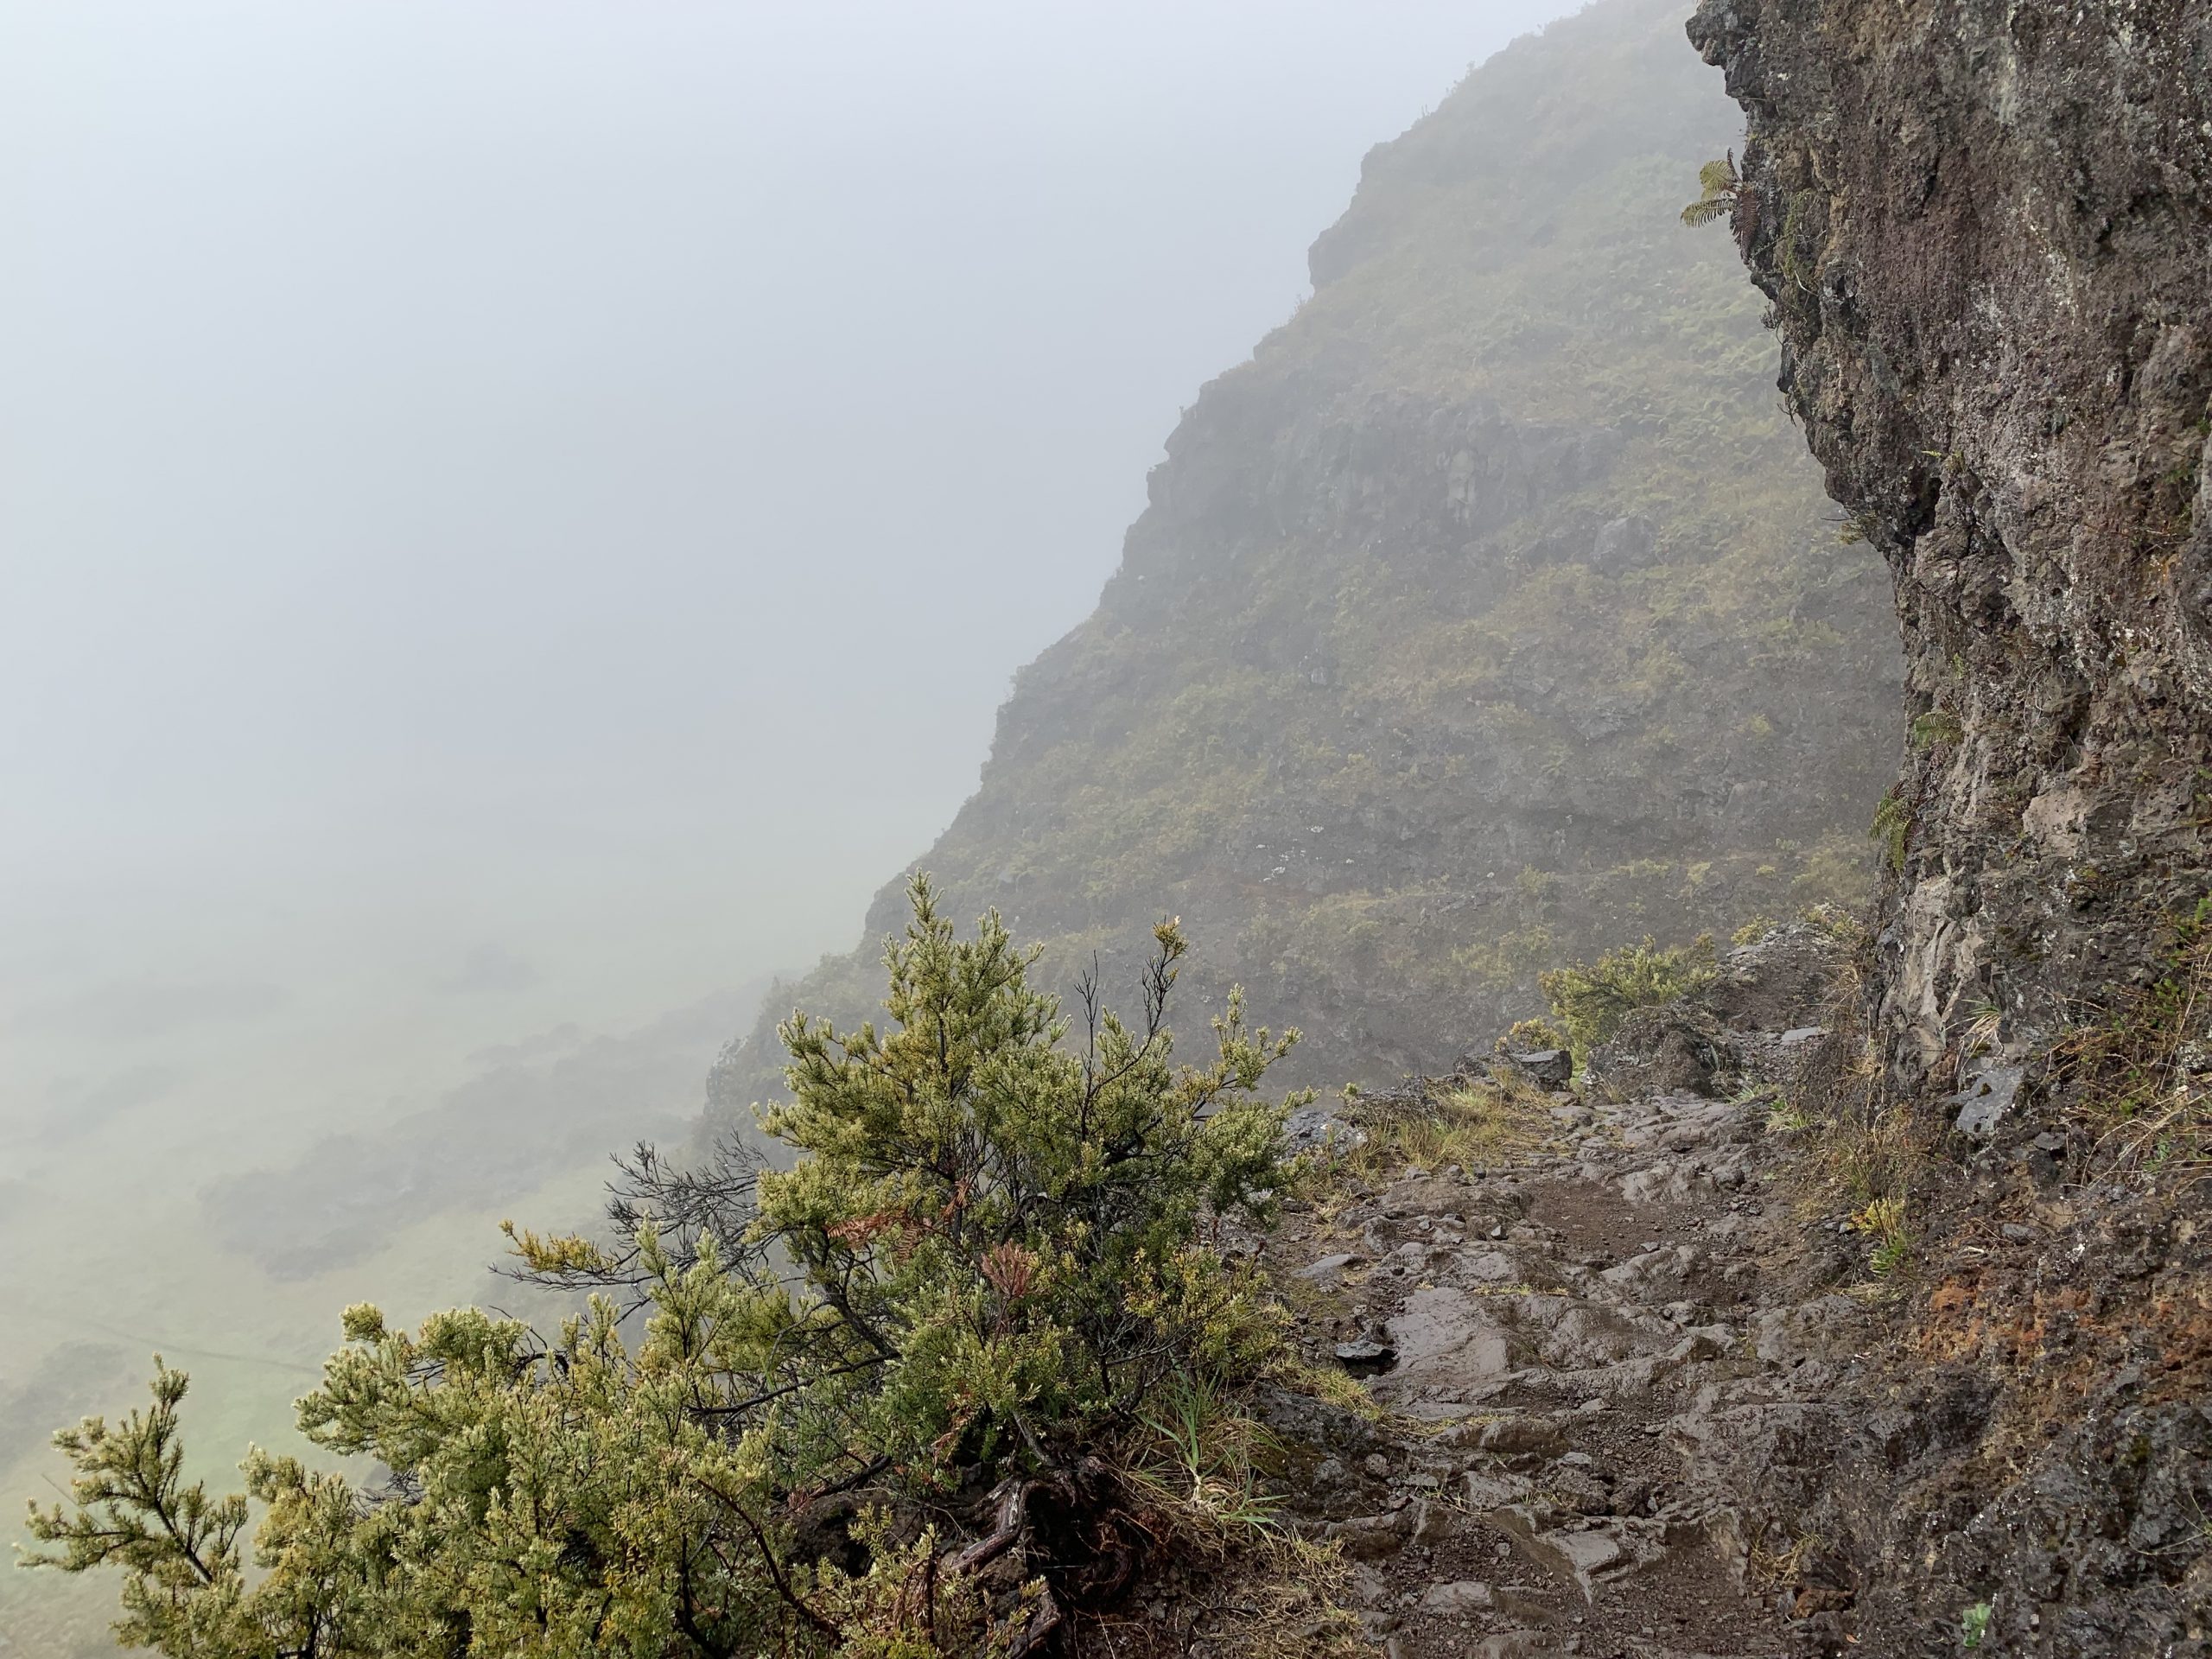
x: 1370, y: 1537
x: 1366, y: 1356
x: 1457, y: 1599
x: 1377, y: 1464
x: 1547, y: 1068
x: 1509, y: 1436
x: 1330, y: 1266
x: 1988, y: 1095
x: 1434, y: 1523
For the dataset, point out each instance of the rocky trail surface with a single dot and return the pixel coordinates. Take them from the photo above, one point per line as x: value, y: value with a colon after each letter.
x: 1594, y: 1381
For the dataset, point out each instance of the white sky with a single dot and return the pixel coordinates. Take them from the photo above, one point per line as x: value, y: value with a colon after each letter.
x: 517, y: 511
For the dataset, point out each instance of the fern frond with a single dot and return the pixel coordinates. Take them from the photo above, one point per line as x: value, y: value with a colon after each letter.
x: 1719, y: 181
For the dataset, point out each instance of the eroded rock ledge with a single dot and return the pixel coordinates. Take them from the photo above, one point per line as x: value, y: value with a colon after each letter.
x: 1986, y: 232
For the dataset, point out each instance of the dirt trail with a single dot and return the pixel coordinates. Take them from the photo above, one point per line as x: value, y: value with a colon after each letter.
x: 1590, y: 1373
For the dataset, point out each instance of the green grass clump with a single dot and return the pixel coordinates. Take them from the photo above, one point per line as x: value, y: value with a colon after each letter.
x: 1199, y: 1459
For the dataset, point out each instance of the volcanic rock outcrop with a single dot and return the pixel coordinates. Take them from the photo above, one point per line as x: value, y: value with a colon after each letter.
x: 1985, y: 232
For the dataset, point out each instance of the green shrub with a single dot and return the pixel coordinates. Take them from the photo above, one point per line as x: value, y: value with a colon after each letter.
x: 988, y: 1256
x: 1000, y: 1230
x: 1590, y: 999
x: 1974, y: 1625
x: 1525, y: 1036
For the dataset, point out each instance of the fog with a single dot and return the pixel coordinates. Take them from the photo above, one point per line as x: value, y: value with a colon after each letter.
x: 514, y: 519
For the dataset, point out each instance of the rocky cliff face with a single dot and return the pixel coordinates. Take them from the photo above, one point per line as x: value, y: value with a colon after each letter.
x: 1986, y: 231
x: 1491, y: 614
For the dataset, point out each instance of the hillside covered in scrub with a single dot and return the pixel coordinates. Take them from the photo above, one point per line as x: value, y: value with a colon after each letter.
x: 1490, y: 615
x: 1844, y: 1292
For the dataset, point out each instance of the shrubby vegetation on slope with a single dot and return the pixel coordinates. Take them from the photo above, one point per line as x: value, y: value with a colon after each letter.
x: 1490, y: 615
x: 794, y: 1397
x: 1590, y: 999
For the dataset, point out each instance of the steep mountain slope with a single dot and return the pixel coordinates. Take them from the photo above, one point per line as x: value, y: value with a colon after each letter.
x: 1489, y: 614
x: 1986, y: 230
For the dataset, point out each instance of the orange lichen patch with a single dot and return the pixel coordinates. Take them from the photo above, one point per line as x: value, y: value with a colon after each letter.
x: 2057, y: 1346
x: 2181, y: 1324
x: 1954, y: 1328
x: 1951, y: 1298
x: 1970, y: 1319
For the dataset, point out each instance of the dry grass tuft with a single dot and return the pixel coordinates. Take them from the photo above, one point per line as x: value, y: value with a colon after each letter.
x: 1878, y: 1166
x: 2141, y: 1074
x: 1771, y: 1566
x: 1254, y: 1589
x: 1479, y: 1125
x: 1332, y: 1386
x: 1281, y: 1599
x: 1863, y: 1151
